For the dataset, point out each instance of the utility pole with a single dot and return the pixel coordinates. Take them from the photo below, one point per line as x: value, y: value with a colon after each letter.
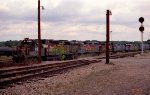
x: 39, y: 31
x: 107, y: 35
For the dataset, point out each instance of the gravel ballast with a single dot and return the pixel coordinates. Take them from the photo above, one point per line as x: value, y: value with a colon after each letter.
x: 129, y: 76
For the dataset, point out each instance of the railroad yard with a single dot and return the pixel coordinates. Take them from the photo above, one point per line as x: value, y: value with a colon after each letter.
x: 126, y: 76
x: 60, y: 47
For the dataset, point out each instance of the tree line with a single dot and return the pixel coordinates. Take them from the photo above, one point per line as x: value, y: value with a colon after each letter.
x: 10, y: 43
x: 15, y: 43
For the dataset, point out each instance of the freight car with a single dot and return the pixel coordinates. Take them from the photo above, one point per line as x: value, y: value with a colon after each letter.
x: 6, y: 51
x: 123, y: 47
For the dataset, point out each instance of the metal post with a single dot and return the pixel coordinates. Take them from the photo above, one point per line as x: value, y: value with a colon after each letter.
x: 111, y: 36
x: 39, y: 33
x: 142, y: 47
x: 107, y: 36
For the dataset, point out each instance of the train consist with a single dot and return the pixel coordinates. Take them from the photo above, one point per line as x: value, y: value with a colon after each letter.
x: 64, y: 49
x: 60, y: 49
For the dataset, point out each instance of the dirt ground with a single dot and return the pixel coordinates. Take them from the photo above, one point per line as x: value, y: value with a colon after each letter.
x: 129, y: 76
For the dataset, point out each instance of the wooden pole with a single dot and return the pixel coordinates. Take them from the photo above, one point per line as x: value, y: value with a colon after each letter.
x: 39, y: 33
x: 107, y: 36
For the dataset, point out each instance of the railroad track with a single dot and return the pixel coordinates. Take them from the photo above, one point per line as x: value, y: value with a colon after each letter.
x: 14, y: 75
x: 5, y: 60
x: 122, y: 55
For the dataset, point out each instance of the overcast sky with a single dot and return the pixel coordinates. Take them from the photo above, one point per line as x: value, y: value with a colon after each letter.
x: 74, y: 19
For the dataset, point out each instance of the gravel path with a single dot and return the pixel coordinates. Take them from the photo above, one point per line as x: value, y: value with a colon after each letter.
x: 129, y: 76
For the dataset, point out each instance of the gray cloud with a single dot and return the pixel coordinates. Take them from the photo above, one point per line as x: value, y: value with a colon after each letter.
x: 65, y: 12
x: 72, y: 19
